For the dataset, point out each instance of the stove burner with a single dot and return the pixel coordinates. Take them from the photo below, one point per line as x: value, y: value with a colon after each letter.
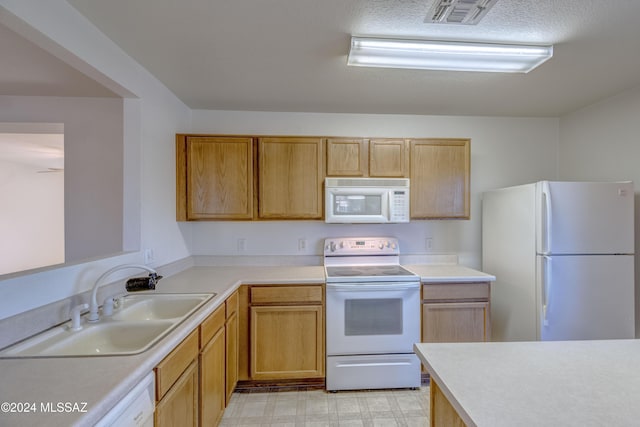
x: 344, y: 271
x: 367, y: 271
x: 365, y: 260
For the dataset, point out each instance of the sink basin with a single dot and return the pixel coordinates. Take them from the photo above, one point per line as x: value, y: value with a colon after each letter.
x: 109, y: 338
x: 158, y: 307
x: 141, y: 321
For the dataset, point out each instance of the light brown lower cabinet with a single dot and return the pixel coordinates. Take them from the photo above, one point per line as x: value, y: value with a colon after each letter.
x: 441, y: 412
x: 212, y: 379
x: 195, y: 381
x: 178, y: 407
x: 177, y: 385
x: 456, y: 312
x: 231, y: 346
x: 287, y: 342
x: 281, y: 332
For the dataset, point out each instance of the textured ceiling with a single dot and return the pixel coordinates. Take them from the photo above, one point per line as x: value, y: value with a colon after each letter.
x: 290, y: 55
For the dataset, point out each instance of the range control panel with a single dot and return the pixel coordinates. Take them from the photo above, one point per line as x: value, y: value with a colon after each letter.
x: 346, y: 246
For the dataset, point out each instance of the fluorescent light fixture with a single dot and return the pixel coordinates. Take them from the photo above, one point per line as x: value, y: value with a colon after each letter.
x: 444, y: 55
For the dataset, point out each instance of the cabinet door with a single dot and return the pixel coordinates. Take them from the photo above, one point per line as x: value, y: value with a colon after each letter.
x: 347, y: 157
x: 455, y: 322
x: 231, y: 330
x: 290, y: 178
x: 171, y: 367
x: 441, y: 412
x: 388, y: 158
x: 219, y: 177
x: 440, y: 178
x: 179, y: 406
x: 212, y: 380
x: 287, y: 342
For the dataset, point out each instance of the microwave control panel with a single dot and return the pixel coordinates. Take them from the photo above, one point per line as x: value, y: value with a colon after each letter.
x: 399, y: 206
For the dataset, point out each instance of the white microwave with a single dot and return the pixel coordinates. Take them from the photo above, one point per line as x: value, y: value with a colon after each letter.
x: 366, y: 200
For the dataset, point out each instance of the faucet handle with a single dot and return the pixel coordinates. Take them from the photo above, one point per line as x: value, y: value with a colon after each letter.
x: 75, y: 316
x: 110, y: 303
x: 107, y: 306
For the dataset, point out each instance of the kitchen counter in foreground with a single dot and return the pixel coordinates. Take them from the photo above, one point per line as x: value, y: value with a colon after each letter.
x: 551, y: 383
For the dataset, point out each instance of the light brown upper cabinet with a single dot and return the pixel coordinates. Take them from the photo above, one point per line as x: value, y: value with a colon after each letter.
x: 440, y: 176
x: 214, y: 177
x: 388, y: 158
x: 291, y: 171
x: 347, y: 157
x: 363, y: 157
x: 236, y: 177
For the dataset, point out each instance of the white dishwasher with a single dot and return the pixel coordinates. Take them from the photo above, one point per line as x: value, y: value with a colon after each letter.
x: 135, y: 409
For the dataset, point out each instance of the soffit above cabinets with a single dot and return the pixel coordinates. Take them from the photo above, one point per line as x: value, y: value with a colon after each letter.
x: 29, y: 70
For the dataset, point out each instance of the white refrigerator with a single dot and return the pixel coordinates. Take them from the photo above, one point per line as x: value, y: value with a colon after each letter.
x: 563, y: 257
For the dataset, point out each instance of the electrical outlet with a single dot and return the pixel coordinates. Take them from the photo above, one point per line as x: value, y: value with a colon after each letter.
x: 242, y: 244
x: 428, y: 244
x: 148, y: 256
x: 302, y: 244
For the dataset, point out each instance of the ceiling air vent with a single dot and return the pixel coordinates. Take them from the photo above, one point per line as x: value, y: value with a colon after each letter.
x: 468, y: 12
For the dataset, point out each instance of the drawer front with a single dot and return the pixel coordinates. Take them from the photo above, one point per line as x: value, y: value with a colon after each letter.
x: 172, y: 366
x: 232, y: 304
x: 211, y: 325
x: 455, y: 291
x: 286, y: 294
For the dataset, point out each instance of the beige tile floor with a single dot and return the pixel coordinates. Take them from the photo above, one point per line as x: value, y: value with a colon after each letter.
x: 384, y: 408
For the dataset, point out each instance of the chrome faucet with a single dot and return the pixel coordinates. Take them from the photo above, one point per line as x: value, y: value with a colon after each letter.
x: 93, y: 309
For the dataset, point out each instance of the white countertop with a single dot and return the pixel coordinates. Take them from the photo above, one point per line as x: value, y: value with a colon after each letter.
x: 562, y: 383
x: 102, y: 381
x: 439, y: 273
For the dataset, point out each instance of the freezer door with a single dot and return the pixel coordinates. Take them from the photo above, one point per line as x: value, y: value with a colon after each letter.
x: 584, y: 218
x: 586, y: 297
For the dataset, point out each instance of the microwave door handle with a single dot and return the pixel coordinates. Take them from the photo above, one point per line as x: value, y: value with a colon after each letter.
x: 387, y: 200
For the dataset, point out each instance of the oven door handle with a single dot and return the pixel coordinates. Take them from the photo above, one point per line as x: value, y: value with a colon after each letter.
x: 358, y: 287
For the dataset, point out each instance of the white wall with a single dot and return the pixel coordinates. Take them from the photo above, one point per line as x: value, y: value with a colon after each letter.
x: 600, y: 143
x: 93, y: 187
x: 152, y: 116
x: 31, y: 217
x: 504, y: 151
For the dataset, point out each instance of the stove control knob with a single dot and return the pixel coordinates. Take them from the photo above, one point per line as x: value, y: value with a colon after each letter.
x: 393, y: 246
x: 341, y: 245
x: 332, y: 246
x: 381, y: 245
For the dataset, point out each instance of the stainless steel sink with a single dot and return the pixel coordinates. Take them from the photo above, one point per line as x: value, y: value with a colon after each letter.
x: 141, y: 321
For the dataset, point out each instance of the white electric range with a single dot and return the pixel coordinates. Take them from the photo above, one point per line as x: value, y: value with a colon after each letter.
x: 373, y: 315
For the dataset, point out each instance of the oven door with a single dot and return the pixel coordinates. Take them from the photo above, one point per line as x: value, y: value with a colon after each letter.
x: 372, y: 318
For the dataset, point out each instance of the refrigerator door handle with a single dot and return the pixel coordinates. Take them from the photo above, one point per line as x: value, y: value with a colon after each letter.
x: 546, y: 219
x: 546, y: 283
